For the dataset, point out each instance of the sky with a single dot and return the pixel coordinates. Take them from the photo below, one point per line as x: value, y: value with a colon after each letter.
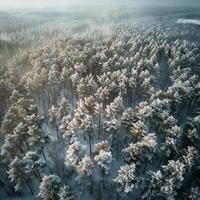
x: 57, y: 3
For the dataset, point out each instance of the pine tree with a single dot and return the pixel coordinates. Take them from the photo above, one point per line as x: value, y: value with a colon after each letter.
x: 86, y: 86
x: 90, y: 104
x: 88, y: 130
x: 68, y: 127
x: 128, y: 117
x: 63, y: 108
x: 142, y: 151
x: 49, y: 187
x: 115, y: 108
x: 85, y: 170
x: 65, y: 193
x: 138, y: 129
x: 103, y: 145
x: 53, y: 118
x: 166, y: 183
x: 98, y: 112
x: 195, y: 193
x: 103, y: 95
x: 103, y: 159
x: 126, y: 177
x: 22, y: 128
x: 74, y: 154
x: 18, y: 173
x: 32, y: 164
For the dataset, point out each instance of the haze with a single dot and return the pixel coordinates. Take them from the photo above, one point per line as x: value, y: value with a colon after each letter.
x: 57, y: 3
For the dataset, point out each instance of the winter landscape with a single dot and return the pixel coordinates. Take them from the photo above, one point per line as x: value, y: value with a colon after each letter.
x: 100, y: 102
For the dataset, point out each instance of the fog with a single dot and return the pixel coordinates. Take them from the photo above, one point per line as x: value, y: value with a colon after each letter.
x: 58, y: 3
x: 188, y: 21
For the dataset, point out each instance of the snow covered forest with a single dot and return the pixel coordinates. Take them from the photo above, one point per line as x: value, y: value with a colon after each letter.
x: 99, y: 104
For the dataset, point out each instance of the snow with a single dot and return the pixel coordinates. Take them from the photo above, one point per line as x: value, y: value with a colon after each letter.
x: 188, y: 21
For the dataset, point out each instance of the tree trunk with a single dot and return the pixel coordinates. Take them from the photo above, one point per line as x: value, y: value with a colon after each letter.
x: 125, y: 139
x: 91, y: 185
x: 117, y: 195
x: 43, y: 154
x: 145, y: 167
x: 57, y: 131
x: 38, y: 172
x: 159, y: 164
x: 131, y: 96
x: 117, y: 146
x: 103, y: 180
x: 90, y: 145
x: 22, y: 151
x: 99, y: 135
x: 29, y: 186
x: 84, y: 137
x: 27, y: 145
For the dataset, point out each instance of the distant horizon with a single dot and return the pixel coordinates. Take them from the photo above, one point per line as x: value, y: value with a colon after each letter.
x: 60, y: 7
x: 31, y: 4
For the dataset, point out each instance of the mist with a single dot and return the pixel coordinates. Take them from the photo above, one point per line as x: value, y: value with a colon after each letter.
x: 59, y: 3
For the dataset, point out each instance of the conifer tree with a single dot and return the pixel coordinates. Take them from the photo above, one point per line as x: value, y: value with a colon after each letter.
x: 49, y: 187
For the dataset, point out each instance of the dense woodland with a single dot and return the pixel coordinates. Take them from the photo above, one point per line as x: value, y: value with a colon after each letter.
x: 101, y: 110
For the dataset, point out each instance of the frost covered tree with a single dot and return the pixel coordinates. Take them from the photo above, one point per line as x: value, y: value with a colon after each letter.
x: 53, y: 114
x: 86, y: 86
x: 63, y: 108
x: 138, y: 129
x: 22, y: 129
x: 85, y: 121
x: 103, y: 159
x: 65, y: 193
x: 115, y: 108
x: 85, y: 170
x: 32, y: 164
x: 194, y: 193
x: 18, y: 174
x: 111, y: 127
x: 53, y: 82
x: 68, y: 127
x: 103, y: 145
x: 126, y: 178
x: 98, y: 113
x: 142, y: 151
x: 74, y: 154
x: 192, y: 128
x: 49, y: 187
x: 165, y: 183
x: 113, y: 115
x: 88, y: 130
x: 128, y: 117
x: 22, y: 170
x: 103, y: 95
x: 90, y: 103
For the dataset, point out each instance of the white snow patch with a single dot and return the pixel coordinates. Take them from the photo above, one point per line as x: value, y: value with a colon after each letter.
x: 188, y: 21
